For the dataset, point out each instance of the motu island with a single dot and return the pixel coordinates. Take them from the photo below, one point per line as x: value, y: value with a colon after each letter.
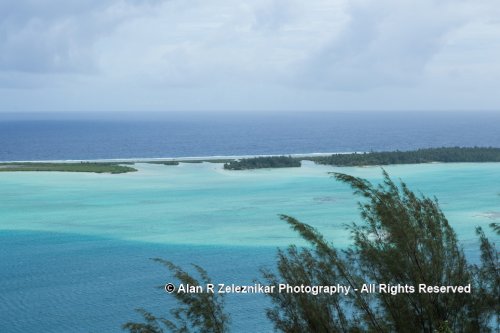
x: 429, y: 155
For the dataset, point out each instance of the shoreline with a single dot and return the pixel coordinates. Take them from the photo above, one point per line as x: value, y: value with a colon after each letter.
x: 188, y: 158
x: 246, y: 162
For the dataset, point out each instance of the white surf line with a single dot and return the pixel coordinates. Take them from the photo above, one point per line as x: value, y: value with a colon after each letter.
x: 188, y: 158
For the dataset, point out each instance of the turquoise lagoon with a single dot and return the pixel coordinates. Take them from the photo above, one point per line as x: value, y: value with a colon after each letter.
x: 74, y: 247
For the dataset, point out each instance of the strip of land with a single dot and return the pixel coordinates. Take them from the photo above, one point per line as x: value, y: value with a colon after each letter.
x: 95, y: 167
x: 264, y: 162
x: 429, y: 155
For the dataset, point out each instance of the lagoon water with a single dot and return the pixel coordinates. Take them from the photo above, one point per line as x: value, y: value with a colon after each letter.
x: 74, y: 247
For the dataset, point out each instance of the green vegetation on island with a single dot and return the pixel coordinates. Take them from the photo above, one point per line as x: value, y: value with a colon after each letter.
x: 95, y: 167
x: 263, y: 162
x: 428, y: 155
x: 406, y: 272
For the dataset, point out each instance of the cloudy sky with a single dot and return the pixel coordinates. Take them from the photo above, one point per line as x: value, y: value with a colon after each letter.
x: 153, y: 55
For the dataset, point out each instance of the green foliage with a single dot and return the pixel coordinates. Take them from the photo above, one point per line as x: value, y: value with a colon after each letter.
x: 451, y: 154
x: 299, y: 313
x: 488, y: 277
x: 495, y: 227
x: 95, y: 167
x: 197, y: 312
x: 404, y: 240
x: 263, y: 162
x: 444, y: 328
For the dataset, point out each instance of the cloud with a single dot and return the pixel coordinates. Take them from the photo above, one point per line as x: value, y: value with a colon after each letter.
x: 222, y: 54
x: 382, y: 44
x: 53, y: 36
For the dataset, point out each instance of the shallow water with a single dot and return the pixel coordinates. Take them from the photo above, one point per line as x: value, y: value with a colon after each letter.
x: 206, y: 205
x: 74, y: 247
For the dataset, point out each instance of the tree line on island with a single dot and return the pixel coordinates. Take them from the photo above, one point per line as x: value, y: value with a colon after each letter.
x: 404, y: 239
x: 263, y: 162
x: 94, y: 167
x: 428, y: 155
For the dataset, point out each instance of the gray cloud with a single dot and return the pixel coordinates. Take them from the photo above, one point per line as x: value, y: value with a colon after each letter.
x: 263, y: 54
x: 58, y: 36
x: 383, y: 44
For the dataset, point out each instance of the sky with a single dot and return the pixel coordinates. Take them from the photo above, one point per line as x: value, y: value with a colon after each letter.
x: 239, y: 55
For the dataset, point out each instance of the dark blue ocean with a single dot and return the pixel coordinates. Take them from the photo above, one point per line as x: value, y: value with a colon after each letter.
x: 109, y: 136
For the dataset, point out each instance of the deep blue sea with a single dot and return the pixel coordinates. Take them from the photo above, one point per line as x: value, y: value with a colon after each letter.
x: 75, y: 247
x: 109, y: 136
